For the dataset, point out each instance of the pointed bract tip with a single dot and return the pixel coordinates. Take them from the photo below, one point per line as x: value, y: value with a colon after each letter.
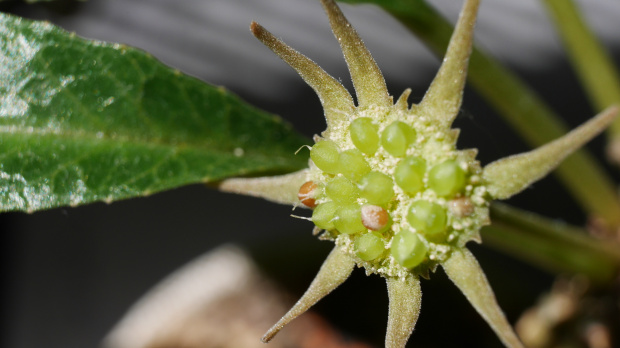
x: 402, y: 102
x: 336, y: 100
x: 463, y: 269
x: 445, y: 94
x: 261, y: 33
x: 405, y: 297
x: 278, y: 188
x: 509, y: 176
x: 367, y: 79
x: 335, y: 270
x: 257, y: 30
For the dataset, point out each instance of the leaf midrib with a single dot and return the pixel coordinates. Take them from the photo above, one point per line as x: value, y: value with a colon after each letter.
x: 92, y: 137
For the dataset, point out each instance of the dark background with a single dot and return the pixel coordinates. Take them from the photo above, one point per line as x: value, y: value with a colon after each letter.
x: 70, y: 274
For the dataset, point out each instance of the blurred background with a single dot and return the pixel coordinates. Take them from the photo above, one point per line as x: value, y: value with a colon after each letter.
x: 70, y: 274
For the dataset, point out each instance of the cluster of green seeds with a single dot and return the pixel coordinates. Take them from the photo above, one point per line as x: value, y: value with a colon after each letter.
x: 384, y: 210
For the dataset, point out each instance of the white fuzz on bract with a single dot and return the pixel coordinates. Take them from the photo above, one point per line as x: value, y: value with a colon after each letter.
x: 368, y: 81
x: 509, y: 176
x: 444, y: 96
x: 405, y: 302
x: 279, y: 189
x: 335, y: 270
x: 336, y: 100
x: 463, y: 269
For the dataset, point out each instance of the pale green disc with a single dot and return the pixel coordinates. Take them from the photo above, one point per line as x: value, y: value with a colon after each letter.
x: 427, y: 217
x: 352, y: 164
x: 407, y: 249
x: 447, y: 178
x: 397, y: 137
x: 349, y: 220
x: 342, y: 190
x: 369, y: 246
x: 409, y: 174
x: 325, y: 155
x: 377, y: 188
x: 323, y: 215
x: 364, y: 135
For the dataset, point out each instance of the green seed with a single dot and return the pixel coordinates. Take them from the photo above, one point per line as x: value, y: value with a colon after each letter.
x: 426, y: 217
x: 352, y: 164
x: 397, y: 137
x: 325, y: 155
x: 364, y: 135
x: 377, y: 188
x: 447, y: 178
x: 407, y: 249
x: 342, y: 191
x: 369, y: 246
x: 349, y: 220
x: 409, y: 174
x: 323, y: 215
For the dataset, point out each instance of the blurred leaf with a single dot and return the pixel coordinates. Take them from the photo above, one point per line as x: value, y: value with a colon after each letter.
x: 82, y: 121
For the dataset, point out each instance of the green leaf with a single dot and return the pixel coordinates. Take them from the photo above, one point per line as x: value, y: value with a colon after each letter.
x: 83, y: 121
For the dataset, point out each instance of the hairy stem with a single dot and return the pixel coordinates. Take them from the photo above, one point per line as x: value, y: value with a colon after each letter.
x: 593, y: 65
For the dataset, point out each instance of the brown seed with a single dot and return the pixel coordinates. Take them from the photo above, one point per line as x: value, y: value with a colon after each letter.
x: 306, y: 194
x: 374, y: 217
x: 461, y: 207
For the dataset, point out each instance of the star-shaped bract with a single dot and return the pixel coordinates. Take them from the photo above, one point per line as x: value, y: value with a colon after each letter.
x: 388, y: 185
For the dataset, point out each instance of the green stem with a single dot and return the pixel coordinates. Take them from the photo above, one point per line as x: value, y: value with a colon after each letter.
x: 593, y: 65
x: 520, y: 106
x: 580, y: 173
x: 551, y: 244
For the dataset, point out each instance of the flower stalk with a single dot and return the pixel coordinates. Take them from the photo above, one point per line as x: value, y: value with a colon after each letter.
x: 593, y: 65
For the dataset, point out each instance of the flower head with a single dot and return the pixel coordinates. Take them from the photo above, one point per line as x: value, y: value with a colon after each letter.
x: 388, y: 186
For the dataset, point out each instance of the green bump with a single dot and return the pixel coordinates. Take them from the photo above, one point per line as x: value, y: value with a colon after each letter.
x: 325, y: 155
x: 323, y: 215
x: 426, y: 217
x: 352, y: 164
x: 407, y: 249
x: 397, y: 137
x: 369, y: 246
x: 349, y: 219
x: 446, y: 178
x: 364, y: 135
x: 377, y: 188
x: 341, y: 190
x: 409, y: 174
